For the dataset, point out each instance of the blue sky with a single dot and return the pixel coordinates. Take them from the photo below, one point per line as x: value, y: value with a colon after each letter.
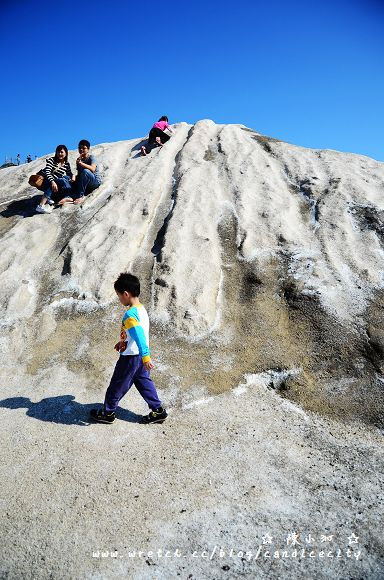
x: 307, y: 72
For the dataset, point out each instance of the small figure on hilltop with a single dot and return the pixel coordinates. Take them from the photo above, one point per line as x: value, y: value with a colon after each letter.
x: 134, y: 362
x: 157, y: 136
x: 58, y: 178
x: 18, y: 159
x: 29, y: 158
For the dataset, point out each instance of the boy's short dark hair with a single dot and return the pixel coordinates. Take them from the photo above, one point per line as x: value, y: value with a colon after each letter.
x: 84, y: 142
x: 129, y: 283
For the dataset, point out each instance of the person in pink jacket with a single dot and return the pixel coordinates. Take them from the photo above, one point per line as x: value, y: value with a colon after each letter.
x: 157, y: 136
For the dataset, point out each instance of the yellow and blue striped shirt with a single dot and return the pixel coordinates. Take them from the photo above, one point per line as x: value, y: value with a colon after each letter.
x: 135, y: 332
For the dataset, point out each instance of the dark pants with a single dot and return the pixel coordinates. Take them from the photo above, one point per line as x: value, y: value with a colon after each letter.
x: 64, y: 185
x: 156, y: 132
x: 85, y: 183
x: 130, y: 369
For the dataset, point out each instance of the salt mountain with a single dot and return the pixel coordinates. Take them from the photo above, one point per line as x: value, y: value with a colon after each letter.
x: 255, y: 256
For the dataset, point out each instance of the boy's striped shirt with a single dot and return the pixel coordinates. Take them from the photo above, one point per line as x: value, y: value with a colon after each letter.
x: 135, y: 332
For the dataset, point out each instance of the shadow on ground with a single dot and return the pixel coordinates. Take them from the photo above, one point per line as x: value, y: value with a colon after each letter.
x: 138, y: 147
x: 63, y: 409
x: 24, y: 207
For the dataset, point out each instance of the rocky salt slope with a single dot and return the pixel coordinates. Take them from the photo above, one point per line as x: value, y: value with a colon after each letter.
x: 260, y: 261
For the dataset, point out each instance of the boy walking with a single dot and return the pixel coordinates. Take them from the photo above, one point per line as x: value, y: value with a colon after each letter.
x: 134, y: 362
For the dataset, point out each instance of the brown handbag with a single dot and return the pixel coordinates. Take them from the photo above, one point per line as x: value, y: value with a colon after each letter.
x: 36, y: 180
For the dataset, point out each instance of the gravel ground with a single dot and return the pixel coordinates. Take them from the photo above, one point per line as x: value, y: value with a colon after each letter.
x: 244, y: 483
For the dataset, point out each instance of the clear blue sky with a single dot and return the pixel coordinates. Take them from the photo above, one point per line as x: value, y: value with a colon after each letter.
x: 308, y: 72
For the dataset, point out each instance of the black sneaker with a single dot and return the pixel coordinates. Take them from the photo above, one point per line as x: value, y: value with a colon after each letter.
x: 101, y: 416
x: 157, y: 416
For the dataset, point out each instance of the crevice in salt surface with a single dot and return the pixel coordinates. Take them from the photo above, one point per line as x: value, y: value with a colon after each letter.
x: 161, y: 234
x: 277, y: 378
x: 251, y: 285
x: 242, y: 238
x: 307, y: 193
x: 369, y: 217
x: 263, y: 140
x: 71, y: 224
x: 373, y: 352
x: 304, y: 188
x: 67, y: 262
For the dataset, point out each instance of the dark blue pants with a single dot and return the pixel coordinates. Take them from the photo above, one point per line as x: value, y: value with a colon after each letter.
x: 63, y: 183
x: 130, y: 369
x: 85, y: 183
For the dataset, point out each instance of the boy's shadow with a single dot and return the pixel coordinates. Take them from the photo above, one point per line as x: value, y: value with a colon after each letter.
x: 63, y: 409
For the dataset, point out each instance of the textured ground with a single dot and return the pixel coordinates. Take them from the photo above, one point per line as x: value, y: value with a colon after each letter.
x: 260, y: 264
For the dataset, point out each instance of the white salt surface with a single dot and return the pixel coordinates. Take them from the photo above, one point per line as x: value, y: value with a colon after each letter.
x: 219, y: 170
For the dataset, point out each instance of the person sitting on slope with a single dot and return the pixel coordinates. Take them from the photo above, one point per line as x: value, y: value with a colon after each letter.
x: 88, y: 176
x: 58, y: 178
x: 157, y: 136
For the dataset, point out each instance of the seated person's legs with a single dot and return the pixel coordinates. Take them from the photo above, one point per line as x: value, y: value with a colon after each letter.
x: 156, y: 137
x: 163, y: 137
x: 151, y: 140
x: 159, y: 136
x: 64, y: 183
x: 85, y: 183
x: 46, y: 199
x: 65, y: 188
x: 47, y: 190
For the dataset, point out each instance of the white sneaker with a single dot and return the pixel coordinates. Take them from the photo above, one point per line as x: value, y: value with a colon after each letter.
x: 50, y: 201
x: 43, y: 209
